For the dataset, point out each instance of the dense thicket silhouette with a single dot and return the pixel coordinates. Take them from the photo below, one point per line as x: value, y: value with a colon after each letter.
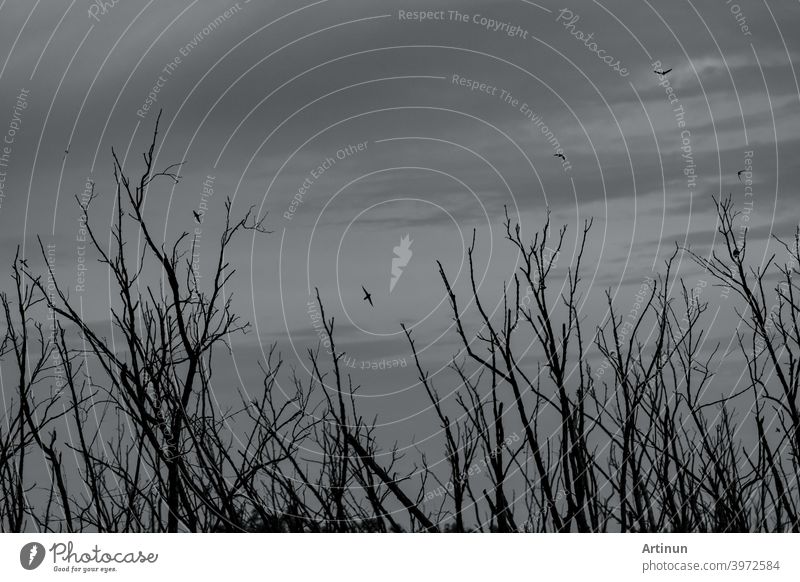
x: 614, y: 428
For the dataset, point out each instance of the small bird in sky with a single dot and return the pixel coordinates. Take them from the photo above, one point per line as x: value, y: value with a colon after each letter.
x: 367, y: 296
x: 560, y: 156
x: 739, y: 174
x: 24, y: 262
x: 735, y: 252
x: 197, y: 216
x: 662, y: 73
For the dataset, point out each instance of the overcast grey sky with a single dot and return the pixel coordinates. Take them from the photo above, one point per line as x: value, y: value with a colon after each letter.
x: 262, y: 99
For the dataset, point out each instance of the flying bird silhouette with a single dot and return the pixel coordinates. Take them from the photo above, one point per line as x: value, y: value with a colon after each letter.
x: 560, y: 156
x: 367, y: 296
x: 197, y: 217
x: 662, y: 73
x: 739, y: 174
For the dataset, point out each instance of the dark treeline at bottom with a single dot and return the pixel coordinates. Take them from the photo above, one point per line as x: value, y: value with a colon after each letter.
x: 632, y: 444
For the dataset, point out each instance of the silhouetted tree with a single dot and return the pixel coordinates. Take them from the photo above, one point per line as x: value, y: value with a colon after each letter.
x: 601, y: 426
